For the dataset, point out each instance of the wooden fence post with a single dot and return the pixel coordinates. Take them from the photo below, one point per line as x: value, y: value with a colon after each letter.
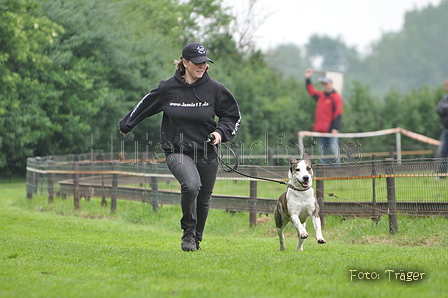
x: 391, y: 199
x: 154, y: 194
x: 271, y: 161
x: 103, y: 195
x: 375, y: 211
x: 253, y: 201
x: 113, y: 201
x: 76, y: 183
x: 36, y: 175
x: 50, y: 181
x: 29, y: 179
x: 143, y: 168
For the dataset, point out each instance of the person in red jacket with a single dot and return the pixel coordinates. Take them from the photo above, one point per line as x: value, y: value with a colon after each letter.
x: 327, y: 117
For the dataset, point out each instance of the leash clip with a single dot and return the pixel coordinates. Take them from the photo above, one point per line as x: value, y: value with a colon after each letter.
x: 211, y: 138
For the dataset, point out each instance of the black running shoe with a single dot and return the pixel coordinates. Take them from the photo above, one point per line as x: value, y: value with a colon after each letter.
x: 189, y: 241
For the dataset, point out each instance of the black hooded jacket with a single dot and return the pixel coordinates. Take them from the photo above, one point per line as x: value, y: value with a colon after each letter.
x: 442, y: 110
x: 189, y: 112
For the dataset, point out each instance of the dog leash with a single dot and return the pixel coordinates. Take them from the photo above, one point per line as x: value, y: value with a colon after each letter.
x: 211, y: 139
x: 229, y: 169
x: 360, y: 204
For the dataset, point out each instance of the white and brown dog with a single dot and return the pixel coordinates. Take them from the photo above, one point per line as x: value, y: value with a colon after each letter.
x: 298, y: 203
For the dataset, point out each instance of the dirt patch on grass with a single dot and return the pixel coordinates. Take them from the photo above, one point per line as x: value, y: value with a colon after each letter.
x: 92, y: 216
x: 70, y: 213
x: 43, y: 209
x: 263, y: 220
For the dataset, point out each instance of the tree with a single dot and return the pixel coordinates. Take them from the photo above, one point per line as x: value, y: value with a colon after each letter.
x: 411, y: 57
x: 333, y: 54
x: 245, y: 24
x: 23, y: 64
x: 122, y: 56
x: 288, y: 60
x: 202, y: 20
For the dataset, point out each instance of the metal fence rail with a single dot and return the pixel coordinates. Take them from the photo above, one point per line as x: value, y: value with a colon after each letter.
x: 411, y: 187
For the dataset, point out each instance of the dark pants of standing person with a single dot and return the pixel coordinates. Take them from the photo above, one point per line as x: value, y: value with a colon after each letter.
x: 443, y: 151
x: 328, y: 146
x: 197, y: 178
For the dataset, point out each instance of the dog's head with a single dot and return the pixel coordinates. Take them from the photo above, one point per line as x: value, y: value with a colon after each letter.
x: 300, y: 172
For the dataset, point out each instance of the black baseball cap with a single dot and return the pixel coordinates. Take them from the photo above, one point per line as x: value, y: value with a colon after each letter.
x: 196, y: 53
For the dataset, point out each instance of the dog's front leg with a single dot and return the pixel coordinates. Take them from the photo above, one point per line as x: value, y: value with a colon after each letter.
x: 318, y: 229
x: 301, y: 230
x: 301, y: 240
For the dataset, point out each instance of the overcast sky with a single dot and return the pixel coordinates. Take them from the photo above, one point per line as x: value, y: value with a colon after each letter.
x: 358, y: 22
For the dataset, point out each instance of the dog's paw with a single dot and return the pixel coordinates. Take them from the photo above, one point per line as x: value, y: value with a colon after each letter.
x: 321, y: 241
x: 303, y: 235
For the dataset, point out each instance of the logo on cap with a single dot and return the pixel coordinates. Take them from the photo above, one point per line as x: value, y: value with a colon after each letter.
x: 201, y: 50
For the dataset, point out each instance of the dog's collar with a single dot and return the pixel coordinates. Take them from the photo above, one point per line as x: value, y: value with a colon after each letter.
x: 292, y: 187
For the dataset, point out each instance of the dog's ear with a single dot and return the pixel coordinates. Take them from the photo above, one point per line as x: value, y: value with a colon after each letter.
x: 292, y: 160
x: 306, y: 157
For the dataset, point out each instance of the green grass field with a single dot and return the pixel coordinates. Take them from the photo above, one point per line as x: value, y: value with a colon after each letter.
x: 51, y: 250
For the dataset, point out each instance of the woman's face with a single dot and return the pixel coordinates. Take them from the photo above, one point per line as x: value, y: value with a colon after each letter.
x: 193, y: 72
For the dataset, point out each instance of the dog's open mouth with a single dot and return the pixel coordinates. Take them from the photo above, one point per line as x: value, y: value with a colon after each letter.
x: 305, y: 184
